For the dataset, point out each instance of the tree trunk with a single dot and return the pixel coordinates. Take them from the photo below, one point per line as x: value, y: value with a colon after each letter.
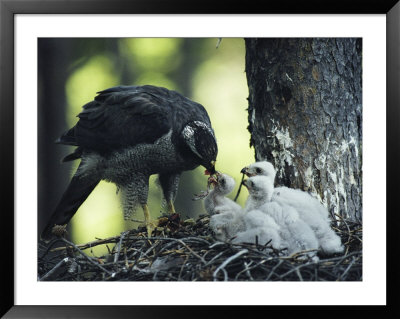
x: 52, y: 66
x: 305, y: 115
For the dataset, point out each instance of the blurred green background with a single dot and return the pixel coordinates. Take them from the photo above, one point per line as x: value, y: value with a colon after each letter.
x: 197, y: 68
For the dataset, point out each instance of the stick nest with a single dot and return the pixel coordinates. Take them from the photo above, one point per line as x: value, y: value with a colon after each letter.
x: 187, y: 251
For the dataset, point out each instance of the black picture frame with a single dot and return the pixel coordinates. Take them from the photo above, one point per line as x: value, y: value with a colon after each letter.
x: 8, y: 10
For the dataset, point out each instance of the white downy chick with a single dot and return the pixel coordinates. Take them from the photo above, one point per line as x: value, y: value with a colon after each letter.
x: 226, y: 215
x: 263, y: 168
x: 294, y: 232
x: 310, y: 210
x: 261, y: 226
x: 227, y: 224
x: 216, y: 201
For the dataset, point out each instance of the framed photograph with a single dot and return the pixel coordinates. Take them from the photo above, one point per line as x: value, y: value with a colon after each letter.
x: 55, y: 56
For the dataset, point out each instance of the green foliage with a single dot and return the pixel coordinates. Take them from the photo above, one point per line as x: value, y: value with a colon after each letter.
x: 81, y: 87
x: 161, y: 55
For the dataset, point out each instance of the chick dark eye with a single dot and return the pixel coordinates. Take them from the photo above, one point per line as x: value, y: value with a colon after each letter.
x: 251, y: 184
x: 258, y: 170
x: 222, y: 182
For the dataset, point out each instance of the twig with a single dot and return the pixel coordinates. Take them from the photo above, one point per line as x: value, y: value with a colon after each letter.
x: 90, y: 244
x: 88, y: 258
x: 116, y: 256
x: 348, y: 232
x: 246, y: 270
x: 226, y: 262
x: 299, y: 274
x: 299, y: 253
x: 218, y: 43
x: 48, y: 274
x: 239, y: 189
x: 273, y: 269
x: 181, y: 242
x: 215, y: 258
x: 183, y: 266
x: 347, y: 269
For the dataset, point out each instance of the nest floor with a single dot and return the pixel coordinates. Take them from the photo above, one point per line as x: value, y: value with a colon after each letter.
x: 187, y: 251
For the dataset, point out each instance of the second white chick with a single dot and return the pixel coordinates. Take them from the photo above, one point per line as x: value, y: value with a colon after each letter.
x: 310, y: 210
x: 294, y: 232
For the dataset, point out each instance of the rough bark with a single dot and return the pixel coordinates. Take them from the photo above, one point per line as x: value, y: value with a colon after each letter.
x: 305, y: 115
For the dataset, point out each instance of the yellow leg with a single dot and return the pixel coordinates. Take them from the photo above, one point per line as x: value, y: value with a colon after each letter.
x: 171, y: 208
x: 150, y: 225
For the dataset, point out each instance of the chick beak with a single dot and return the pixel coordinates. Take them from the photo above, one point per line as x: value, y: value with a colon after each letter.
x: 244, y: 170
x: 212, y: 181
x: 244, y: 183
